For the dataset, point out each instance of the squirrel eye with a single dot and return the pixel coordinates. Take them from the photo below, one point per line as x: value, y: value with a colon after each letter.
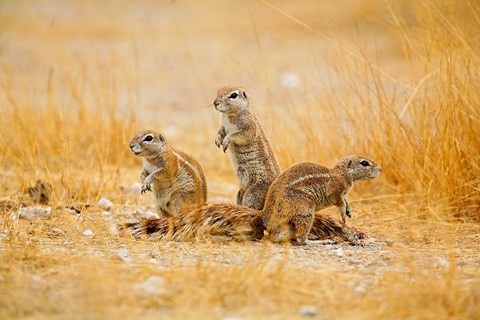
x: 233, y: 95
x: 148, y: 138
x: 365, y: 163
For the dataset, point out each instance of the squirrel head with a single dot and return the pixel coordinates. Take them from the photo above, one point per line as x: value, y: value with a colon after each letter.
x: 231, y: 100
x: 360, y: 167
x: 148, y: 143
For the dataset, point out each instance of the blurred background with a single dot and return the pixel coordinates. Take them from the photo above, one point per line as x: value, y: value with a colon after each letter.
x: 395, y: 80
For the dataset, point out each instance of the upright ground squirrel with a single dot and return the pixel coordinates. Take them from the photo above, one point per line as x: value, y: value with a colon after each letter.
x: 289, y: 210
x: 251, y: 154
x: 176, y: 179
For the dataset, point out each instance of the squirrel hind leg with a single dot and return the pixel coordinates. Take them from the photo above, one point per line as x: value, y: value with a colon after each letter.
x: 279, y: 233
x: 254, y: 196
x: 301, y: 225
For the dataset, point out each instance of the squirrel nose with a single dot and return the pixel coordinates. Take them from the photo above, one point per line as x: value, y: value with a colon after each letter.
x: 216, y: 102
x: 131, y: 145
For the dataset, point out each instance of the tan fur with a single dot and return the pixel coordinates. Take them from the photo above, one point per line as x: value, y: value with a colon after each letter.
x: 307, y: 187
x: 176, y: 179
x: 213, y: 220
x: 251, y: 154
x: 289, y: 209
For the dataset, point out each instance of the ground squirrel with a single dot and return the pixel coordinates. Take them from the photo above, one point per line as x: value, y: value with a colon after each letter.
x: 307, y: 187
x: 176, y: 179
x: 289, y: 209
x: 251, y: 154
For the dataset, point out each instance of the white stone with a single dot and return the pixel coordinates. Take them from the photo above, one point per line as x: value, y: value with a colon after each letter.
x: 339, y: 252
x: 308, y: 311
x: 88, y: 233
x: 105, y: 203
x: 57, y: 230
x: 113, y: 230
x: 361, y: 288
x: 107, y: 215
x: 124, y: 255
x: 149, y: 215
x: 153, y: 285
x: 31, y: 213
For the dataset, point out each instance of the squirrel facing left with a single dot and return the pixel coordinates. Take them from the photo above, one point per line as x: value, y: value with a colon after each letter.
x: 175, y: 178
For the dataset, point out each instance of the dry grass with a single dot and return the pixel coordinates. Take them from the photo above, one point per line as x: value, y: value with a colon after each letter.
x: 394, y: 80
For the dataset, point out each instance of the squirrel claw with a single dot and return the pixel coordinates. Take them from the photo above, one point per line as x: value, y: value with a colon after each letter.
x: 145, y: 188
x: 225, y: 144
x: 218, y: 140
x: 348, y: 213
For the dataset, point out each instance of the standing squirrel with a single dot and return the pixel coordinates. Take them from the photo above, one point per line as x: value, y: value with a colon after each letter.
x: 176, y: 179
x: 251, y: 154
x: 289, y: 211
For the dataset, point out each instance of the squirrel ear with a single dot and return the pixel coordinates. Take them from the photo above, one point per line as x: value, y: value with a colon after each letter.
x: 245, y: 94
x: 161, y: 137
x: 350, y: 163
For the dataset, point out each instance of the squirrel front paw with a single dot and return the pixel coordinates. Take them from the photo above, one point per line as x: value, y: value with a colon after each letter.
x: 146, y: 187
x: 225, y: 143
x: 346, y: 213
x: 218, y: 139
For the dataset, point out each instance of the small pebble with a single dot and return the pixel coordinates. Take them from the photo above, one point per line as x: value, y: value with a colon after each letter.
x: 31, y: 213
x: 114, y: 230
x: 153, y: 285
x: 88, y: 233
x: 149, y: 215
x: 124, y: 255
x: 339, y: 252
x: 57, y: 230
x: 361, y: 288
x: 106, y: 214
x: 105, y: 203
x: 308, y: 311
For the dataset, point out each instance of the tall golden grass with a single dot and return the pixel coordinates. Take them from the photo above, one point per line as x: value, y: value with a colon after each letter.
x: 420, y: 121
x: 397, y: 81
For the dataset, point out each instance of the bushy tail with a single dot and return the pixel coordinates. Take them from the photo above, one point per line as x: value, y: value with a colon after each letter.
x: 325, y: 227
x: 214, y: 220
x: 231, y: 222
